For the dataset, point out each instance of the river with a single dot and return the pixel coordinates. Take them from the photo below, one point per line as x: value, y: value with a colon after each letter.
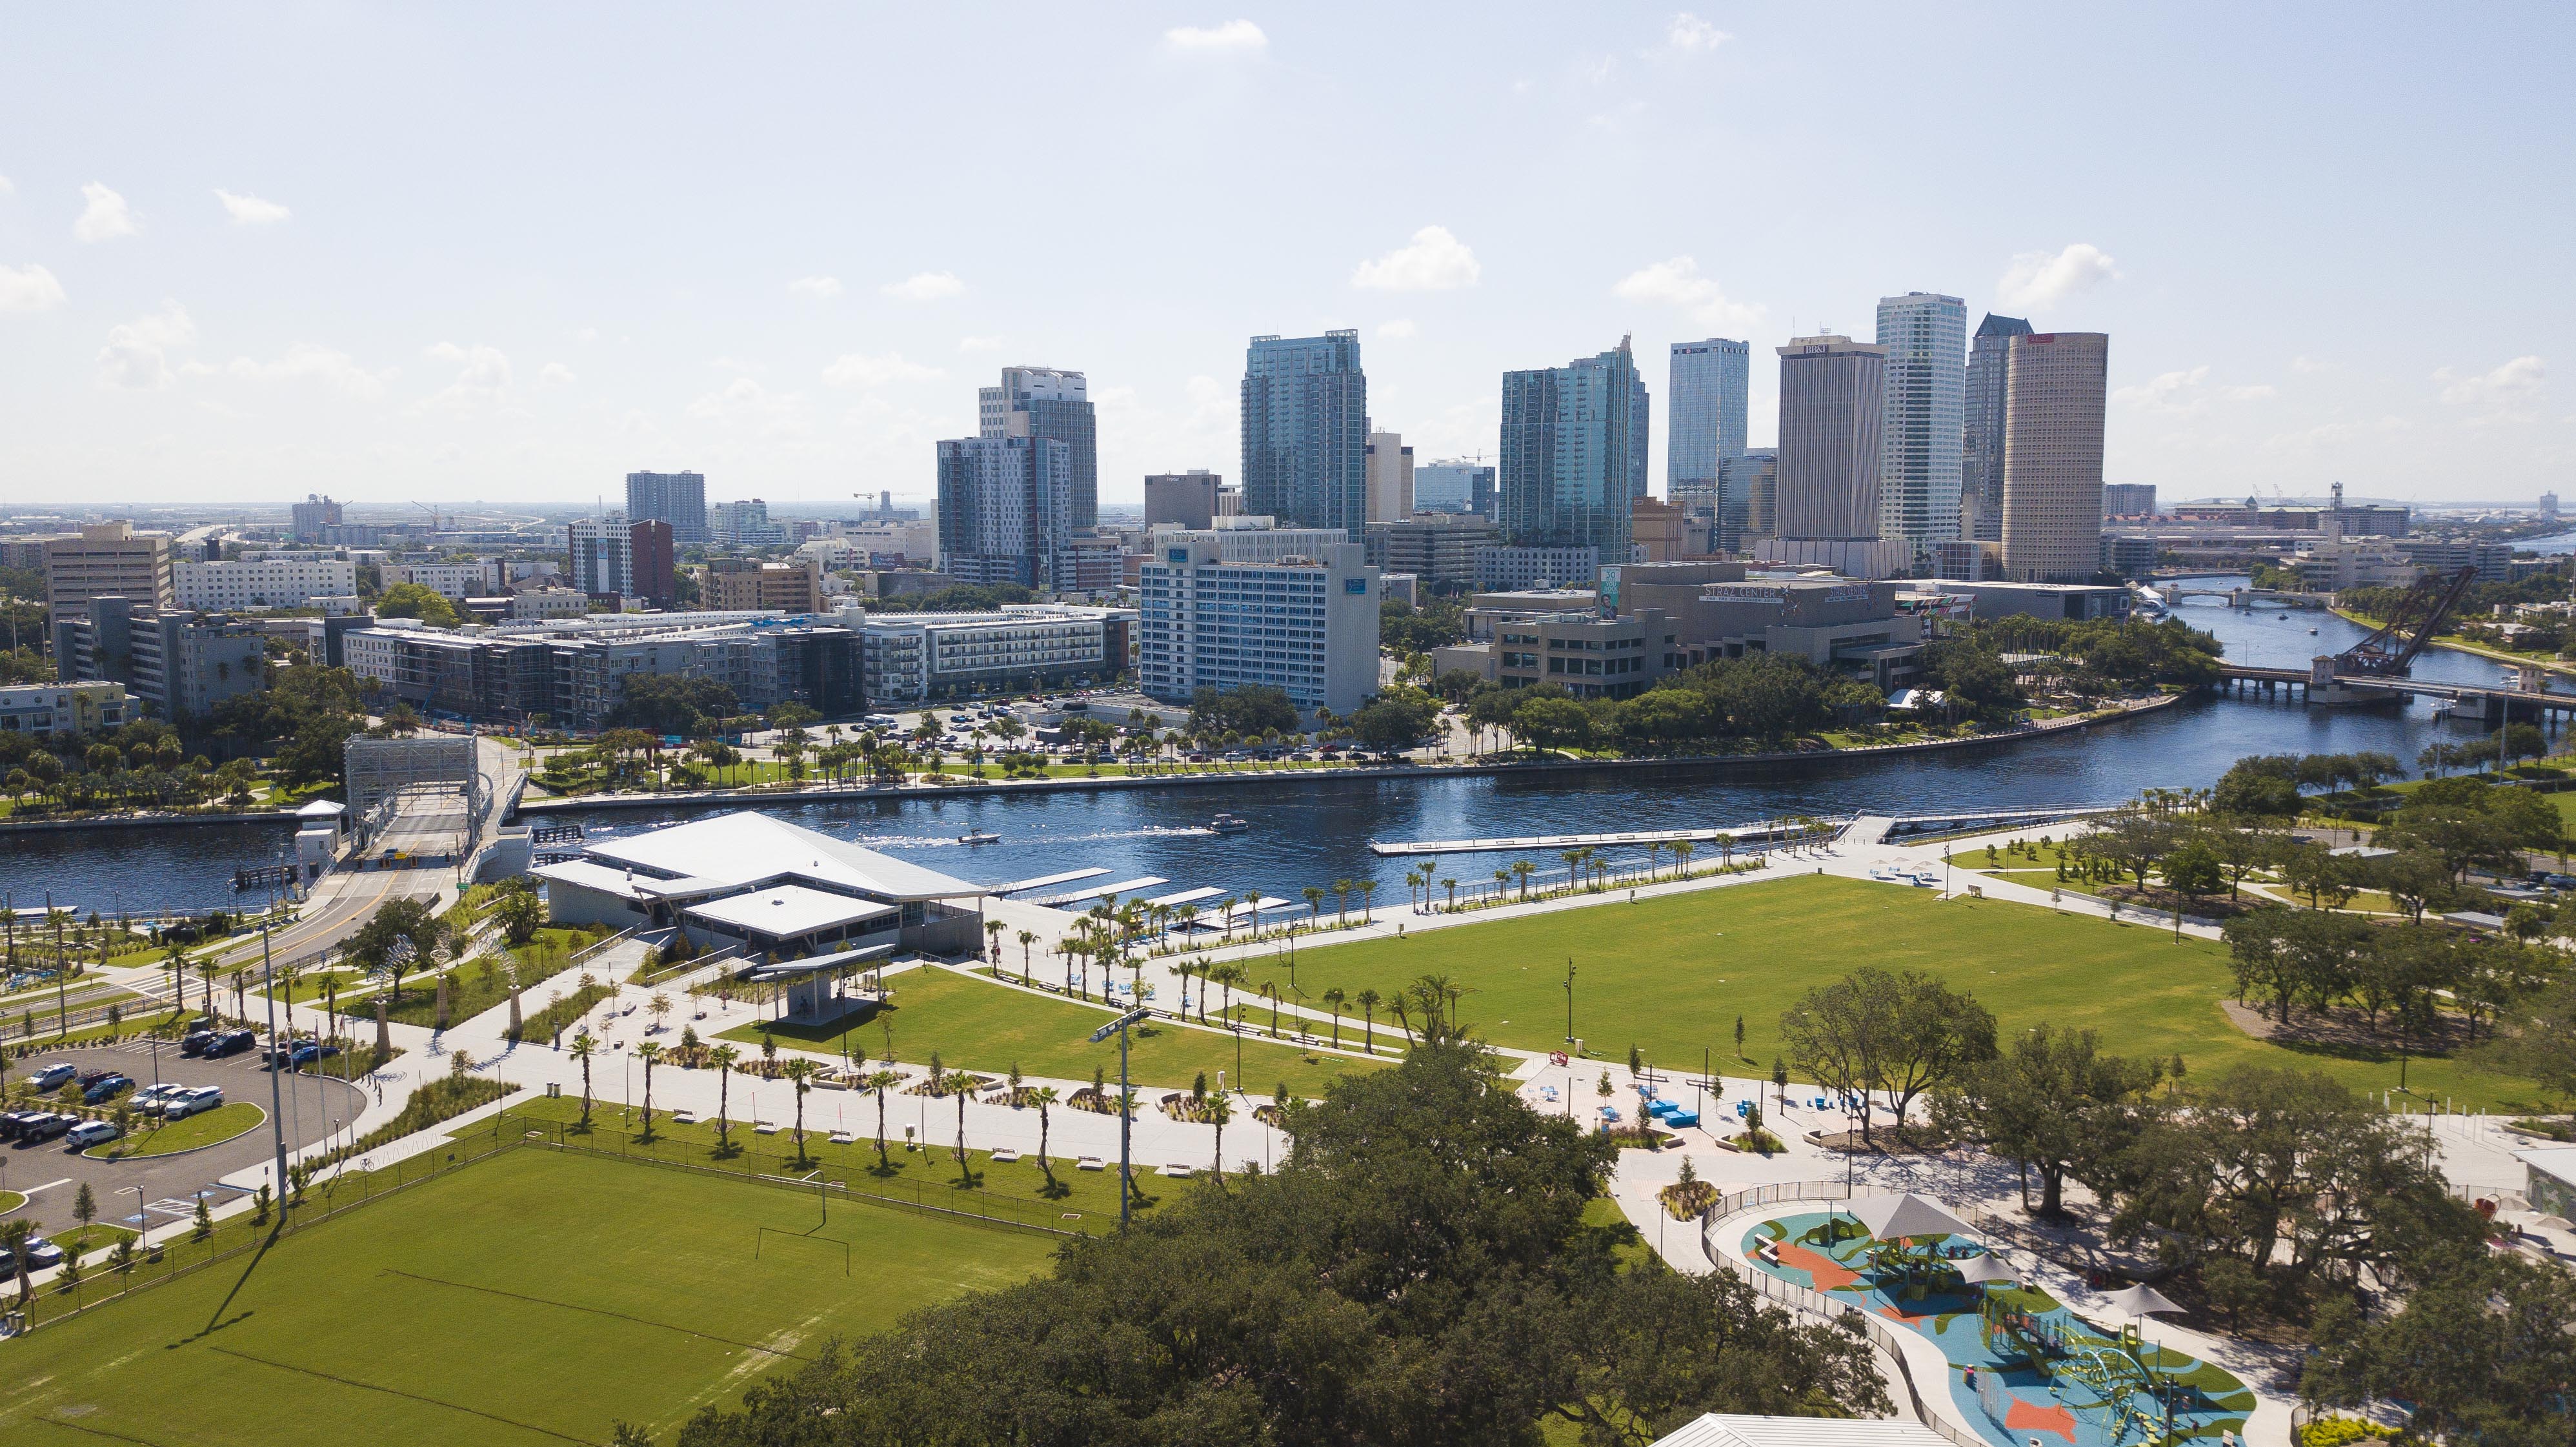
x: 1316, y: 831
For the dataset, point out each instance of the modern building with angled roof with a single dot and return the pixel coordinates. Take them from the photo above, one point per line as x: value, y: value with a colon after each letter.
x: 770, y: 888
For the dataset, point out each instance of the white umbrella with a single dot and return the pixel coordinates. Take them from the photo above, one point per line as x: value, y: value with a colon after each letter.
x: 1896, y: 1218
x: 1985, y: 1268
x: 2140, y: 1301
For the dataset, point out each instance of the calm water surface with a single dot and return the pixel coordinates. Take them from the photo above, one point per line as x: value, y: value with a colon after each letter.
x: 1316, y: 832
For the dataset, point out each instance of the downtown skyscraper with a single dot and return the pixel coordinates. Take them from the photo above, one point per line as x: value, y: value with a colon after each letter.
x: 1925, y: 336
x: 1833, y: 418
x: 2055, y: 387
x: 1704, y: 417
x: 1570, y: 455
x: 1052, y: 403
x: 1981, y: 456
x: 1305, y: 431
x: 1005, y: 509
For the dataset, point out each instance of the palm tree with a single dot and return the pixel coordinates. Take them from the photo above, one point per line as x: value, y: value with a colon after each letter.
x: 1027, y: 938
x: 800, y: 1074
x: 1270, y: 992
x: 1342, y: 902
x: 1225, y: 912
x: 582, y: 1047
x: 963, y: 1091
x: 994, y: 928
x: 15, y: 1234
x: 1229, y: 975
x: 1523, y: 869
x: 1573, y: 869
x: 1502, y: 881
x: 648, y: 1052
x: 1683, y: 849
x: 1451, y: 885
x: 1314, y: 903
x: 1334, y: 998
x: 1045, y: 1097
x: 879, y: 1083
x: 1368, y: 901
x: 1654, y: 857
x: 722, y: 1058
x: 1219, y: 1111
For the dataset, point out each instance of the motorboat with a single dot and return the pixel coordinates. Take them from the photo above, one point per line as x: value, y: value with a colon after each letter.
x: 1228, y: 824
x: 979, y: 836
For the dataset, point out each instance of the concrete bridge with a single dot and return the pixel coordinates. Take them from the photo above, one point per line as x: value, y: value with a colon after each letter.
x: 2317, y: 685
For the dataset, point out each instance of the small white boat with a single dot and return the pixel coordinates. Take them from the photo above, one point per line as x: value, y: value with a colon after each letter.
x: 1228, y: 824
x: 978, y: 836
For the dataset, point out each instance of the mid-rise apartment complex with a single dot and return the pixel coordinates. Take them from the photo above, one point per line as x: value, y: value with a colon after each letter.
x: 677, y: 498
x: 2138, y: 500
x: 1305, y: 431
x: 909, y: 658
x: 107, y: 560
x: 1307, y: 627
x: 455, y: 582
x: 276, y: 581
x: 59, y: 708
x: 1050, y: 403
x: 748, y: 584
x: 177, y: 665
x: 1438, y: 548
x: 1510, y: 569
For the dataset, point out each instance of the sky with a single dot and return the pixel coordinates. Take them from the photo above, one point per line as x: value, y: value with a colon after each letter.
x: 510, y: 253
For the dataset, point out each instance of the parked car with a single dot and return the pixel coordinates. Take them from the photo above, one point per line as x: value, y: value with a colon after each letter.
x: 90, y: 1133
x: 51, y: 1078
x: 12, y: 1121
x: 45, y: 1127
x: 194, y: 1101
x: 41, y: 1254
x: 308, y: 1051
x: 196, y: 1041
x: 231, y: 1042
x: 89, y: 1078
x: 105, y: 1089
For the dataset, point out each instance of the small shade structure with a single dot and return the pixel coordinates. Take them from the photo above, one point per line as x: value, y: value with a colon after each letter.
x: 1899, y: 1218
x: 1985, y: 1269
x: 2140, y: 1302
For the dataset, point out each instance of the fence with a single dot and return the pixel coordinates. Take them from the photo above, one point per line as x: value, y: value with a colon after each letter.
x: 1816, y: 1303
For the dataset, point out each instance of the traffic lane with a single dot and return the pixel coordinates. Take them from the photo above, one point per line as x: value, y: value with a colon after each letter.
x: 314, y: 1107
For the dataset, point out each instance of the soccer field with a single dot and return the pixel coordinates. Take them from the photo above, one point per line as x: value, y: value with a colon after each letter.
x: 532, y: 1298
x: 1670, y: 976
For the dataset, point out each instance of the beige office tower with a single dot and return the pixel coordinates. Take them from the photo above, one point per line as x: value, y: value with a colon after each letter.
x: 2054, y: 391
x: 1832, y: 410
x: 107, y: 560
x: 1390, y: 478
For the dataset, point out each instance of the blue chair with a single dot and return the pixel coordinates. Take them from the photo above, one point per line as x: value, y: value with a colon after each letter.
x: 1682, y: 1119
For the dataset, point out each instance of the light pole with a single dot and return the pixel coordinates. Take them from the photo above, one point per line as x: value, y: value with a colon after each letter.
x: 1569, y: 1004
x: 1126, y: 1164
x: 276, y: 1088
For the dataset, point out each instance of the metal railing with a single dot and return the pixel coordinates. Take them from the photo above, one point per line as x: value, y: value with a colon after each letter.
x: 1816, y: 1303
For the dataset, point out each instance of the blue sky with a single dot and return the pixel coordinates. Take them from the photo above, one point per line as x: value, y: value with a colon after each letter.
x: 510, y: 253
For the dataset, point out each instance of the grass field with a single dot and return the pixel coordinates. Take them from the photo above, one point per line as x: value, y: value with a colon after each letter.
x: 532, y: 1298
x: 978, y: 1025
x: 1671, y: 975
x: 211, y: 1127
x: 10, y: 1201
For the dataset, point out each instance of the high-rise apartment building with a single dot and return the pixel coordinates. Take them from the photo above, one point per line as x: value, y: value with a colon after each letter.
x: 1569, y: 454
x: 1005, y: 509
x: 1390, y: 477
x: 309, y: 517
x: 677, y: 498
x: 2129, y: 500
x: 1052, y: 403
x: 1748, y: 497
x: 1455, y: 486
x: 1925, y: 337
x: 651, y: 544
x: 2055, y: 387
x: 107, y: 560
x: 1704, y: 417
x: 1305, y: 431
x: 1186, y: 499
x: 1981, y: 453
x: 602, y: 556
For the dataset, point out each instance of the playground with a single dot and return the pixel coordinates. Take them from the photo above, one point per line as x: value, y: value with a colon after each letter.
x: 2023, y: 1368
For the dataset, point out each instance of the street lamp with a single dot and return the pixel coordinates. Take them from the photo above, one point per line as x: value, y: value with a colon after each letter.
x: 1569, y: 1004
x: 1126, y: 1164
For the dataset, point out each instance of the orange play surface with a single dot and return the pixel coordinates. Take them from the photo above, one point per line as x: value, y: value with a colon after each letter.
x: 1829, y: 1274
x: 2045, y: 1419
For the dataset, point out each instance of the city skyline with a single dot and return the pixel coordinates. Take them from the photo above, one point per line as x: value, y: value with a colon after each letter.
x: 436, y: 296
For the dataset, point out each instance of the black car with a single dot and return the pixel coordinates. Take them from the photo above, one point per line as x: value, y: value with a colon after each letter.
x: 196, y: 1041
x: 231, y: 1042
x: 13, y: 1120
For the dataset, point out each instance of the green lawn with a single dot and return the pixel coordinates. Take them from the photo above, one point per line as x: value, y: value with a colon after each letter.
x: 187, y: 1134
x: 978, y: 1025
x: 479, y: 985
x: 1671, y: 975
x: 1015, y: 1190
x: 531, y: 1298
x: 97, y: 1236
x: 10, y: 1201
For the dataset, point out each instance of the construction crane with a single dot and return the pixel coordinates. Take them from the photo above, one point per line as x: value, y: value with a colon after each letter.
x: 2419, y: 615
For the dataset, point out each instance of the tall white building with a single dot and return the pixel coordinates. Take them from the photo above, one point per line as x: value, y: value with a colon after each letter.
x: 1705, y: 414
x: 744, y: 524
x: 602, y: 556
x: 455, y: 582
x: 1307, y: 627
x: 1390, y: 477
x: 1005, y: 509
x: 1925, y: 336
x: 1052, y: 403
x: 2055, y: 387
x: 273, y: 582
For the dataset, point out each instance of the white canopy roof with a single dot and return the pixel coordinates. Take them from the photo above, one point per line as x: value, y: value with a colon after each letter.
x: 1897, y: 1218
x: 2140, y: 1300
x: 783, y: 911
x: 1989, y: 1267
x: 1718, y: 1429
x: 746, y: 848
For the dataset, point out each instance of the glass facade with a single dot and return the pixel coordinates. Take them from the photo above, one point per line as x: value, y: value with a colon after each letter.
x: 1305, y: 432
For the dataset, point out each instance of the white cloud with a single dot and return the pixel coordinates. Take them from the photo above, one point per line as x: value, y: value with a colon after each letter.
x: 820, y: 288
x: 1690, y: 33
x: 1677, y: 283
x: 1399, y: 329
x: 136, y: 354
x: 105, y: 218
x: 1234, y: 37
x: 744, y: 401
x: 2040, y: 278
x: 1436, y: 261
x: 925, y: 286
x: 556, y: 374
x: 482, y: 377
x: 31, y: 289
x: 854, y: 369
x: 979, y: 344
x: 2185, y: 392
x: 308, y: 362
x: 6, y: 189
x: 250, y: 210
x: 2507, y: 393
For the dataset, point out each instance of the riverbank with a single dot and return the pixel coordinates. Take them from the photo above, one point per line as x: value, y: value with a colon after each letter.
x: 1535, y: 768
x: 2453, y: 644
x: 143, y: 821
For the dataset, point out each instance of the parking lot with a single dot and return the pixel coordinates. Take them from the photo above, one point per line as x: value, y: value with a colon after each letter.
x: 50, y: 1176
